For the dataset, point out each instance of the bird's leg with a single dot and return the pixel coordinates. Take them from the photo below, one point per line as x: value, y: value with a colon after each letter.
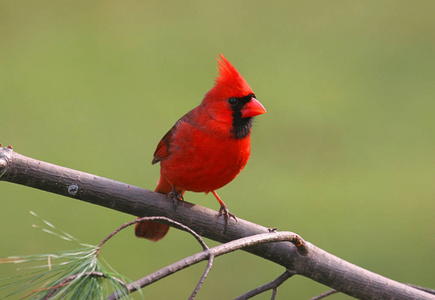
x: 224, y: 211
x: 175, y: 197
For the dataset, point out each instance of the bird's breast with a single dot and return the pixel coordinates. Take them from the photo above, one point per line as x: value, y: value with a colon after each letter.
x: 202, y: 162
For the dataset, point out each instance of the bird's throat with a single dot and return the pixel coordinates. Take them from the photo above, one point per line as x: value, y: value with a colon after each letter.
x: 241, y: 126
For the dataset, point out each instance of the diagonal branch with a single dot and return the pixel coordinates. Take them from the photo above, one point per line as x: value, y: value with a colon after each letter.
x: 318, y: 264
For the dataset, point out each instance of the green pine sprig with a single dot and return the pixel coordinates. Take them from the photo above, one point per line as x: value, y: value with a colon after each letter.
x: 71, y: 274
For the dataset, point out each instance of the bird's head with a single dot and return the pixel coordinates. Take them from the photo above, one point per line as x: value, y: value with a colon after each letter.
x: 232, y: 100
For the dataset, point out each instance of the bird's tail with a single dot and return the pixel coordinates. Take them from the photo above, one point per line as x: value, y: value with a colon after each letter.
x: 149, y: 229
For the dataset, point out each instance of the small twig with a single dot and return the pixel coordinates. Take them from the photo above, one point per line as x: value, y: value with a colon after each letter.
x: 216, y: 251
x: 324, y: 295
x: 172, y: 222
x: 204, y: 275
x: 274, y: 284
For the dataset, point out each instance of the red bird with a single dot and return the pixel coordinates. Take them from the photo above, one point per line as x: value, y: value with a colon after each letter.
x: 208, y: 147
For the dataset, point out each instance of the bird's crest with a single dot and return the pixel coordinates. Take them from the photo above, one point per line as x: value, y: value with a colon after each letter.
x: 230, y: 83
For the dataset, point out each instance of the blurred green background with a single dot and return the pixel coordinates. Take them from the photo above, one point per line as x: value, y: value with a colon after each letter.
x: 344, y: 155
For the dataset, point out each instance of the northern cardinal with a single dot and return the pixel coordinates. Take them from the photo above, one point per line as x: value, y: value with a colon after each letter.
x: 208, y: 146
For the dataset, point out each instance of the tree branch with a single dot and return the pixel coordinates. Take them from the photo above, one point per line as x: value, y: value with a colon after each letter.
x: 228, y: 247
x: 318, y: 265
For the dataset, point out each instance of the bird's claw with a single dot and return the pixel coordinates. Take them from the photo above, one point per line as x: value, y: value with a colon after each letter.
x: 223, y: 211
x: 175, y: 197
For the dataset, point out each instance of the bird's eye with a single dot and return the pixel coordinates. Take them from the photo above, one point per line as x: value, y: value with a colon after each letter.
x: 233, y: 101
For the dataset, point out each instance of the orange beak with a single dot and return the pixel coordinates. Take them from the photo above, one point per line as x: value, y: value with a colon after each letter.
x: 252, y: 108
